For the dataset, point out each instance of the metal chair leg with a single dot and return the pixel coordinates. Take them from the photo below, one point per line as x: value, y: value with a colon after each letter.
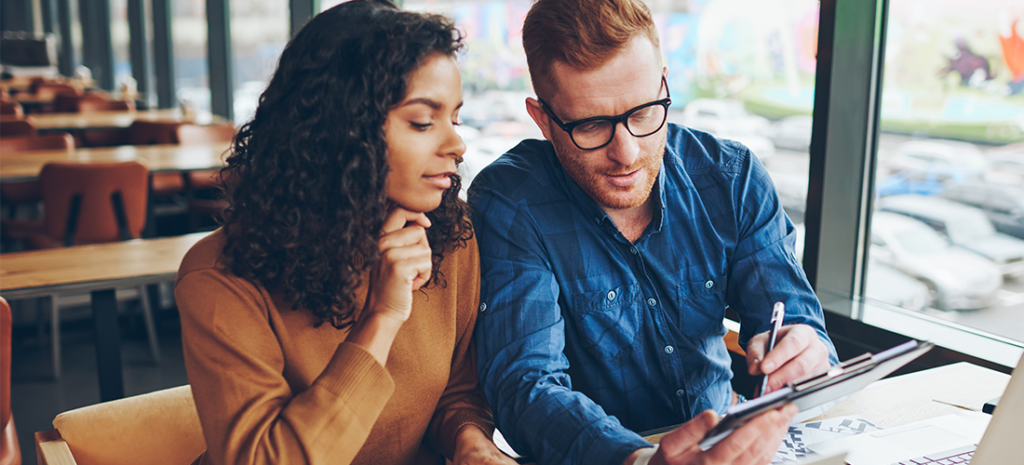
x: 55, y: 334
x: 147, y: 314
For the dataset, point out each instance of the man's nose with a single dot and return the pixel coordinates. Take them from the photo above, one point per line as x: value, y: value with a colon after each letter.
x: 624, y: 148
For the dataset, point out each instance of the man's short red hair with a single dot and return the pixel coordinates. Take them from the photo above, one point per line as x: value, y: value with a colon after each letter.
x: 584, y: 34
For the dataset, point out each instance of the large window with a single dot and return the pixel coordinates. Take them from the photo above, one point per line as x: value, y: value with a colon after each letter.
x: 192, y: 78
x: 259, y: 32
x: 950, y: 165
x: 739, y: 69
x: 120, y: 39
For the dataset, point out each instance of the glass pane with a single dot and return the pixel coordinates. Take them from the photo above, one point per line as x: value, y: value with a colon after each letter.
x: 259, y: 32
x: 744, y: 70
x: 191, y: 75
x: 949, y: 166
x: 120, y: 38
x: 740, y: 69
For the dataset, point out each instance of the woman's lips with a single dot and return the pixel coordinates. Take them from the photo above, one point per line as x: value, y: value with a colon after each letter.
x: 623, y: 180
x: 442, y: 181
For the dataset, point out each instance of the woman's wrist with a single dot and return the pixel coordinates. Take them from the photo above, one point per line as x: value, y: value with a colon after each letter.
x: 375, y: 333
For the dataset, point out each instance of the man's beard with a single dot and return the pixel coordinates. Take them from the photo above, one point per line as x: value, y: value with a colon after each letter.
x: 595, y: 184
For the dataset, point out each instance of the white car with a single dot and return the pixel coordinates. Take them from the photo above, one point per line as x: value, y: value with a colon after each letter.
x: 704, y: 112
x: 954, y: 158
x: 957, y: 279
x: 891, y: 286
x: 793, y: 133
x: 727, y: 119
x: 761, y: 146
x: 965, y: 227
x: 1007, y: 164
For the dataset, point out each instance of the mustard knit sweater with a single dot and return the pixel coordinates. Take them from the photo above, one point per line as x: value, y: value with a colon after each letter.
x: 272, y: 388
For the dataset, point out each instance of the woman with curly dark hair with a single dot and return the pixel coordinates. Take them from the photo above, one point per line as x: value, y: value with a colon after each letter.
x: 330, y: 319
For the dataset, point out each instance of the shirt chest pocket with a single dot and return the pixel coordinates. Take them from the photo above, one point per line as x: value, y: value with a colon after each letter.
x: 607, y: 321
x: 703, y: 305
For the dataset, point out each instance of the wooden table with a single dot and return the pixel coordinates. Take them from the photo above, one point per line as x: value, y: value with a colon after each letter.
x: 46, y: 122
x: 99, y: 269
x: 922, y: 395
x: 925, y: 394
x: 25, y: 166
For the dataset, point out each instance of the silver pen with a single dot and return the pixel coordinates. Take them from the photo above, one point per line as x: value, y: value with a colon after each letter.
x: 778, y: 313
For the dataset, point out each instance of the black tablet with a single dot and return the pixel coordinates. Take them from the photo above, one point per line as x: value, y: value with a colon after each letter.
x: 816, y: 389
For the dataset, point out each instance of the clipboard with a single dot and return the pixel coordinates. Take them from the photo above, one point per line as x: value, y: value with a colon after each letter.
x: 816, y: 389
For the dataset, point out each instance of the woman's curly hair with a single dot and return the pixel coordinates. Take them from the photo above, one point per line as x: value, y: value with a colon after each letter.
x: 305, y: 177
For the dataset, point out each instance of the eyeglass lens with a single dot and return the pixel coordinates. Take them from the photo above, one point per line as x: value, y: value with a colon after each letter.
x: 641, y: 123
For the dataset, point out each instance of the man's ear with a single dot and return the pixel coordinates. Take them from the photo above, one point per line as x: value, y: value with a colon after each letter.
x: 540, y: 117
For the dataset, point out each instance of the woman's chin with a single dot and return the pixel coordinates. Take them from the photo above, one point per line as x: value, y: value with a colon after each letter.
x: 419, y: 205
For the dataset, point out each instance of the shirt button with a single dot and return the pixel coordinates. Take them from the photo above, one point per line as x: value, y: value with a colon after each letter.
x: 632, y: 250
x: 652, y: 302
x: 709, y: 284
x: 483, y: 306
x: 611, y: 295
x: 680, y: 393
x: 669, y: 349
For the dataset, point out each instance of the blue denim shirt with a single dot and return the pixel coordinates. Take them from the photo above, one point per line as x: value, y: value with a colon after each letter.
x: 584, y: 338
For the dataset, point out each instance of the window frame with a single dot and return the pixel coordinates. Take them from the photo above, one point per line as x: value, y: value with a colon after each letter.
x: 844, y: 140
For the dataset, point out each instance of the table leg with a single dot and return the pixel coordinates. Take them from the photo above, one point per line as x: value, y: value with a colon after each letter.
x: 108, y: 345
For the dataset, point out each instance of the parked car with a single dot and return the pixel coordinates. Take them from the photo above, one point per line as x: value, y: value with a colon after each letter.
x: 704, y: 112
x: 793, y: 133
x: 886, y: 284
x: 965, y: 227
x: 951, y: 157
x: 792, y: 190
x: 760, y: 145
x: 956, y: 279
x: 1006, y: 164
x: 917, y: 182
x: 1003, y: 204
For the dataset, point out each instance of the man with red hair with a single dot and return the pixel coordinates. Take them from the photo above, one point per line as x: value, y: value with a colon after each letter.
x: 610, y: 251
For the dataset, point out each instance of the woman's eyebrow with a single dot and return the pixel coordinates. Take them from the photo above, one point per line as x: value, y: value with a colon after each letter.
x: 426, y: 101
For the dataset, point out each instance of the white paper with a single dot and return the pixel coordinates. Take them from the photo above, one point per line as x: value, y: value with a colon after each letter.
x: 796, y: 441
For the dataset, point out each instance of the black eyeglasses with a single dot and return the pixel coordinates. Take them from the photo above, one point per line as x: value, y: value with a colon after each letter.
x: 598, y: 131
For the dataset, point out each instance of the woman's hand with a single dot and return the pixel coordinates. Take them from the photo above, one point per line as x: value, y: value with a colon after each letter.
x: 404, y: 266
x: 473, y: 447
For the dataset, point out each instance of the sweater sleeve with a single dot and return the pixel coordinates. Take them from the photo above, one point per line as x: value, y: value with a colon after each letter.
x: 248, y: 411
x: 462, y: 402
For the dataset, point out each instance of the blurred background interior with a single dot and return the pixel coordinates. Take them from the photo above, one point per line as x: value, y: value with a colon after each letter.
x: 893, y: 130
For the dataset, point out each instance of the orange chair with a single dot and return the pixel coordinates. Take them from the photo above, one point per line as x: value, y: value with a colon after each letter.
x: 11, y: 109
x: 89, y: 203
x: 44, y: 90
x: 16, y: 194
x: 54, y: 141
x: 88, y: 103
x: 204, y: 180
x: 156, y: 428
x: 153, y: 133
x: 10, y: 451
x: 19, y: 127
x: 196, y: 134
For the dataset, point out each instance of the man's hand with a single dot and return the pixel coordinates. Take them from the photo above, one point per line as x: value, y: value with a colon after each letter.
x: 798, y: 352
x: 473, y: 447
x: 754, y: 443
